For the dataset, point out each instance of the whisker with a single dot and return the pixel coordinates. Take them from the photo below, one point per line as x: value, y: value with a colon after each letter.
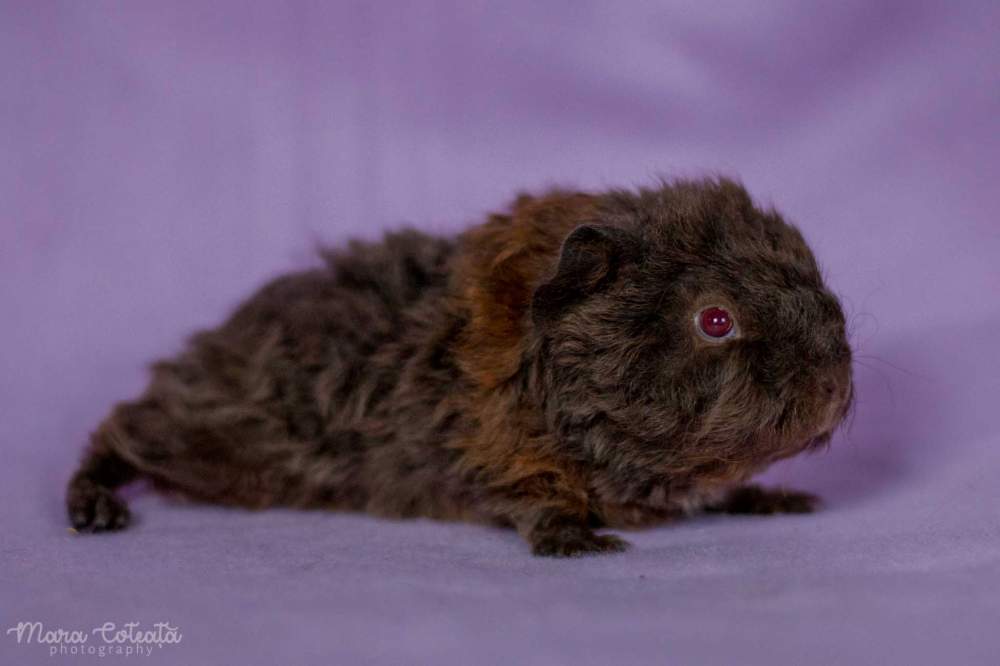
x: 881, y: 375
x: 895, y: 367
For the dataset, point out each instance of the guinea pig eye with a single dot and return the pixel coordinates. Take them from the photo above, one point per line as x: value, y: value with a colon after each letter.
x: 715, y: 323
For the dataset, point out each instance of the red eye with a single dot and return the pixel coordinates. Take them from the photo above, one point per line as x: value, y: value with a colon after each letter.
x: 715, y: 322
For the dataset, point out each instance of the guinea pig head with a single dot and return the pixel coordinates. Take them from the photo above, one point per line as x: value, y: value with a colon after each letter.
x: 684, y: 330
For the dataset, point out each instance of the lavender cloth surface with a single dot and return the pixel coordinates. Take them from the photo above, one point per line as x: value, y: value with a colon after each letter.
x: 158, y: 161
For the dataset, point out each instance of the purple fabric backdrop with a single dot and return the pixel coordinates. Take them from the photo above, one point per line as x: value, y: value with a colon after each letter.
x: 159, y: 160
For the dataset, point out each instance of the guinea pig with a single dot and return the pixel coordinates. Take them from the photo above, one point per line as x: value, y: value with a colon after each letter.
x: 583, y: 360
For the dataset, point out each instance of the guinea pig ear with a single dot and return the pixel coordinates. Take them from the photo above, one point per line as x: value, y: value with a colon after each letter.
x: 589, y: 259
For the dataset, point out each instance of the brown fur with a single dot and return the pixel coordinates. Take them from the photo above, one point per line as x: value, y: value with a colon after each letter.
x: 542, y: 371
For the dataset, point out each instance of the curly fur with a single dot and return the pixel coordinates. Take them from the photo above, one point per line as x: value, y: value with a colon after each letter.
x: 542, y: 371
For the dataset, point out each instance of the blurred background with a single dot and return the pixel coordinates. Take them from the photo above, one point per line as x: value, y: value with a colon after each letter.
x: 158, y: 161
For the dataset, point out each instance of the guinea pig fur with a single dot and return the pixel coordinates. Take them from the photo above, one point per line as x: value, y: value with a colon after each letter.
x: 582, y: 360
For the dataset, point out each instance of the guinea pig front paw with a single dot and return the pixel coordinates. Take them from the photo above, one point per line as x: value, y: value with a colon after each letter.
x: 94, y: 508
x: 755, y: 500
x: 574, y: 541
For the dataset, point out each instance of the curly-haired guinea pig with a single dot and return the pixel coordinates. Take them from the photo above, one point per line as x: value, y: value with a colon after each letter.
x: 582, y: 360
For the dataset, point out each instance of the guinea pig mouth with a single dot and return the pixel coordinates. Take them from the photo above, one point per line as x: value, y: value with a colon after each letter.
x: 818, y: 443
x: 835, y: 413
x: 832, y: 413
